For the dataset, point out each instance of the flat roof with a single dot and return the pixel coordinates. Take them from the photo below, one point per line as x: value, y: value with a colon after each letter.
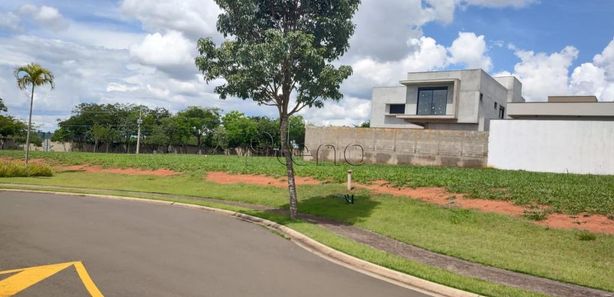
x: 572, y: 99
x: 565, y: 109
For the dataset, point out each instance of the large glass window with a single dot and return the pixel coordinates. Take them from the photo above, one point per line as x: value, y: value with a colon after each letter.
x: 397, y: 108
x: 432, y: 101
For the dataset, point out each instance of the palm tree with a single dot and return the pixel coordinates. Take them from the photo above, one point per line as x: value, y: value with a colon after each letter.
x: 32, y: 75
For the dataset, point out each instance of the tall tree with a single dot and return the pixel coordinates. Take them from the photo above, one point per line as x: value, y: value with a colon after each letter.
x: 201, y: 121
x: 2, y: 106
x: 280, y: 53
x: 32, y: 75
x: 240, y: 130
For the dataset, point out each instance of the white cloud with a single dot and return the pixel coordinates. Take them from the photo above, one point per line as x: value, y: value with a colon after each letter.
x: 10, y: 21
x: 120, y: 87
x: 606, y: 60
x: 47, y: 16
x: 544, y: 75
x: 596, y: 78
x: 383, y: 27
x: 498, y: 3
x: 349, y: 111
x: 423, y: 54
x: 470, y: 50
x: 195, y: 18
x: 100, y: 36
x: 170, y: 52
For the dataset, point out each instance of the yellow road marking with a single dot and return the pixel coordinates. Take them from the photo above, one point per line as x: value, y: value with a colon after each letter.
x: 27, y: 277
x: 87, y: 280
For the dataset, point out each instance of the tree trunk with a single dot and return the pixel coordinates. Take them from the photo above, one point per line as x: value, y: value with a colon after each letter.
x: 286, y: 150
x: 108, y: 147
x: 95, y: 145
x: 199, y: 144
x: 29, y: 126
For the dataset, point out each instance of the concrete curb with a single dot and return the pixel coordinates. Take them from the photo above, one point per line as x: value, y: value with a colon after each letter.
x: 309, y: 244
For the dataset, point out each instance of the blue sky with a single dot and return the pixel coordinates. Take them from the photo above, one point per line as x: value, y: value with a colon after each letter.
x: 546, y: 26
x: 142, y: 51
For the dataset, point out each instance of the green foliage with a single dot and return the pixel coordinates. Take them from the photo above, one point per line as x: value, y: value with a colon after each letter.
x: 2, y: 106
x: 12, y: 128
x: 297, y: 131
x: 33, y: 75
x: 536, y: 213
x: 201, y: 122
x: 240, y: 130
x: 11, y: 169
x: 279, y: 47
x: 366, y: 124
x: 586, y: 236
x: 117, y: 123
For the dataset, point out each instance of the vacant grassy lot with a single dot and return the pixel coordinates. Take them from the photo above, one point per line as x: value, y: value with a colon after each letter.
x: 566, y: 193
x: 496, y: 240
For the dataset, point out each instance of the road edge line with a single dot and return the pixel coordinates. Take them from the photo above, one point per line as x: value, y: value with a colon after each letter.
x: 311, y: 245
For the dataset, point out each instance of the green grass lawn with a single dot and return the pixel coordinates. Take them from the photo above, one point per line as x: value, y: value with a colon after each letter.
x: 492, y: 239
x: 567, y: 193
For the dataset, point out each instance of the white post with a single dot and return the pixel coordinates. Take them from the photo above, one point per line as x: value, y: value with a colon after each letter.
x: 138, y: 134
x: 349, y: 180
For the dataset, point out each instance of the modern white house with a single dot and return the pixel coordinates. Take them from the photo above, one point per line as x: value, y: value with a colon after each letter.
x: 467, y: 118
x: 445, y: 100
x: 567, y: 108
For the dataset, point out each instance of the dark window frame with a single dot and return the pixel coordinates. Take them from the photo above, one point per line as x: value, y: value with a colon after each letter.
x: 400, y: 105
x: 501, y: 112
x: 445, y: 107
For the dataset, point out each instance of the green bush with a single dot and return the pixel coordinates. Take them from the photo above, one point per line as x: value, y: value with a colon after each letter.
x: 586, y: 236
x: 536, y: 213
x: 10, y: 169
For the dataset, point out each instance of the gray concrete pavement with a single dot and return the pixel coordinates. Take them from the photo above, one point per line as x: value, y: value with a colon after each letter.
x: 140, y: 249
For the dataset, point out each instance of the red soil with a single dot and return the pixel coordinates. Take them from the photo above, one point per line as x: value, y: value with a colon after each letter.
x: 592, y: 223
x: 440, y: 196
x: 260, y: 180
x: 126, y: 171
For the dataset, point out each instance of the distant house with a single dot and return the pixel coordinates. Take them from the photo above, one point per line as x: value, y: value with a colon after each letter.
x: 445, y: 100
x: 569, y: 108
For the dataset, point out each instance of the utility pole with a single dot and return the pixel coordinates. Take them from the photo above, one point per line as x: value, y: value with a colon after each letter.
x: 138, y: 134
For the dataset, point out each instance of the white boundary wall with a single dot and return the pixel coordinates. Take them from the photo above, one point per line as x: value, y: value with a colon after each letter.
x: 585, y: 147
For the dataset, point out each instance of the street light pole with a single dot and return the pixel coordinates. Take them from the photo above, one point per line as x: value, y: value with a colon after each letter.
x: 138, y: 135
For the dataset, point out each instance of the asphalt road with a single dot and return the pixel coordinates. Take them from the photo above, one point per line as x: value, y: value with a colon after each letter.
x: 141, y: 249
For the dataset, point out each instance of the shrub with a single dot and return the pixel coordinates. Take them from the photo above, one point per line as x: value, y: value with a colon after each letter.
x: 11, y: 169
x: 586, y: 236
x: 536, y: 213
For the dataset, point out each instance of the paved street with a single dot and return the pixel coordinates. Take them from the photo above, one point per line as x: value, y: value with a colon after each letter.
x: 142, y: 249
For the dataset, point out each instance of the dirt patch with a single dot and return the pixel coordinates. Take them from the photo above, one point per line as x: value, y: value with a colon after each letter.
x: 592, y: 223
x: 31, y: 161
x: 440, y: 196
x: 125, y: 171
x: 259, y: 180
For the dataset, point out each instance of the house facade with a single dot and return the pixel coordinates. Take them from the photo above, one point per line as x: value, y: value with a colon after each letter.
x: 563, y: 108
x: 445, y: 100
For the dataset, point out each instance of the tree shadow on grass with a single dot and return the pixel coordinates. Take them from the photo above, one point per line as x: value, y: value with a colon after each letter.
x: 335, y: 207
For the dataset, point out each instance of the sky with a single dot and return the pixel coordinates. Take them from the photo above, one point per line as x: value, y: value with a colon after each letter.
x: 142, y: 51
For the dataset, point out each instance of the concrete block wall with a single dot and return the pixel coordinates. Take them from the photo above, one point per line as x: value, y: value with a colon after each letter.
x: 399, y: 146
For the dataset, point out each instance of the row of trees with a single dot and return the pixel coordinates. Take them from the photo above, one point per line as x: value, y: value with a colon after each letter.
x: 113, y: 127
x: 12, y: 130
